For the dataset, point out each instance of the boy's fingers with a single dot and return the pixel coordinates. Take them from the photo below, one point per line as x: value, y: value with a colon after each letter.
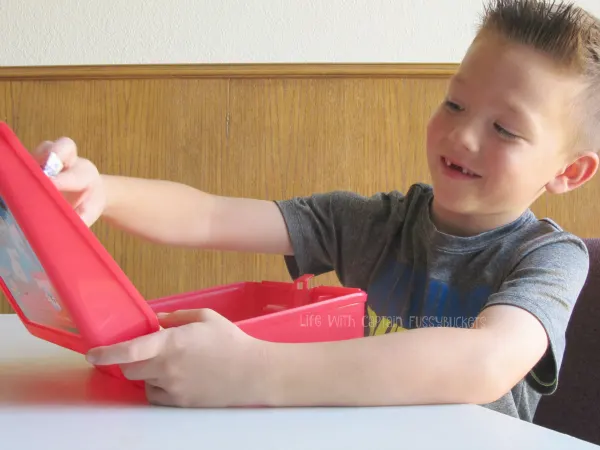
x: 139, y: 349
x: 66, y: 149
x: 41, y: 152
x: 77, y: 178
x: 184, y: 317
x: 140, y: 371
x: 88, y: 214
x: 157, y: 395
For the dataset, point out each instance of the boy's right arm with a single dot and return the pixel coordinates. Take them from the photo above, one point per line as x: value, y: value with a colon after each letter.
x: 176, y: 214
x: 167, y: 212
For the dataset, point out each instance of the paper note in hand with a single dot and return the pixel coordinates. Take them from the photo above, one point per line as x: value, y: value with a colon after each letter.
x: 53, y: 166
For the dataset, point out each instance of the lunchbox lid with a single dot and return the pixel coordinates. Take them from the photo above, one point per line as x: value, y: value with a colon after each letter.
x: 57, y: 276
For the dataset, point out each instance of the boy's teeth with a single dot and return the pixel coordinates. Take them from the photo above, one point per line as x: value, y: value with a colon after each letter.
x: 462, y: 169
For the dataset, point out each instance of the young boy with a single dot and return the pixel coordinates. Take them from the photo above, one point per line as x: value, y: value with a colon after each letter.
x: 481, y: 290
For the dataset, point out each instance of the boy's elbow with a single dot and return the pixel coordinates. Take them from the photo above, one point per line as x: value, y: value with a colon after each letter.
x: 493, y: 380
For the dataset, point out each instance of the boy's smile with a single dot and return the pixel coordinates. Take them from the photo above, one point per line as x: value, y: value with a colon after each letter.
x: 457, y: 170
x: 502, y: 137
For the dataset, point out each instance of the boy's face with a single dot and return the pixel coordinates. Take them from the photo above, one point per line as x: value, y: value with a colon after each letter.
x: 506, y: 122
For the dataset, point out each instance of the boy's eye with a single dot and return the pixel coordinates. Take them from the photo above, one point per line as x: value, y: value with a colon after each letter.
x: 504, y: 133
x: 453, y: 106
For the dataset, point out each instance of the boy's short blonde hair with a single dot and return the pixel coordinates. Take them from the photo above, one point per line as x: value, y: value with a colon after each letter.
x: 568, y: 34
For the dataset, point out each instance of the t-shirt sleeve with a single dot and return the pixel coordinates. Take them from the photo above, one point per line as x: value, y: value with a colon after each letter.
x: 341, y: 231
x: 546, y: 280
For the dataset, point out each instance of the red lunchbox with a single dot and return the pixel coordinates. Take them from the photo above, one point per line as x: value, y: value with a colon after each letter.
x: 68, y: 290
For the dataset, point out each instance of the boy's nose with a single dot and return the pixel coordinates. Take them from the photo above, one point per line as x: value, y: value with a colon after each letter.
x: 464, y: 137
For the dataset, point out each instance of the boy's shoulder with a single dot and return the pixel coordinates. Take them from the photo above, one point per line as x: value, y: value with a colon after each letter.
x: 352, y: 226
x: 524, y: 235
x: 410, y: 209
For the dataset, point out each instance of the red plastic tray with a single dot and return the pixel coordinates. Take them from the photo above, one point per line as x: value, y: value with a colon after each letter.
x: 68, y: 290
x: 280, y: 312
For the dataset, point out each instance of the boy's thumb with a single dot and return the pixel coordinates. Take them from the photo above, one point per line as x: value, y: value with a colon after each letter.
x: 183, y: 317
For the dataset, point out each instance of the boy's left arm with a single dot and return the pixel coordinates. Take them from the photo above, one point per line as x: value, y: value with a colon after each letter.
x: 420, y: 366
x: 201, y: 359
x: 519, y: 334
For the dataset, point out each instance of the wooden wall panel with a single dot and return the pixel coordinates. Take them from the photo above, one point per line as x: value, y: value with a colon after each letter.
x: 267, y: 137
x: 149, y: 128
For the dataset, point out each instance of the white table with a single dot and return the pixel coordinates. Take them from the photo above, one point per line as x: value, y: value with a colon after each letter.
x: 51, y: 399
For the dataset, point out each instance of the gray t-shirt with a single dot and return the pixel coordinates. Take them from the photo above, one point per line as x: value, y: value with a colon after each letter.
x: 416, y: 276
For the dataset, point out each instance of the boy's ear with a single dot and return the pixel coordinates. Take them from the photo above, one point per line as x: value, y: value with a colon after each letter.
x: 575, y: 174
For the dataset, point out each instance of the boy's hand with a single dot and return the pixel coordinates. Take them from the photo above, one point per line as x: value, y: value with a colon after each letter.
x: 199, y: 359
x: 79, y: 181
